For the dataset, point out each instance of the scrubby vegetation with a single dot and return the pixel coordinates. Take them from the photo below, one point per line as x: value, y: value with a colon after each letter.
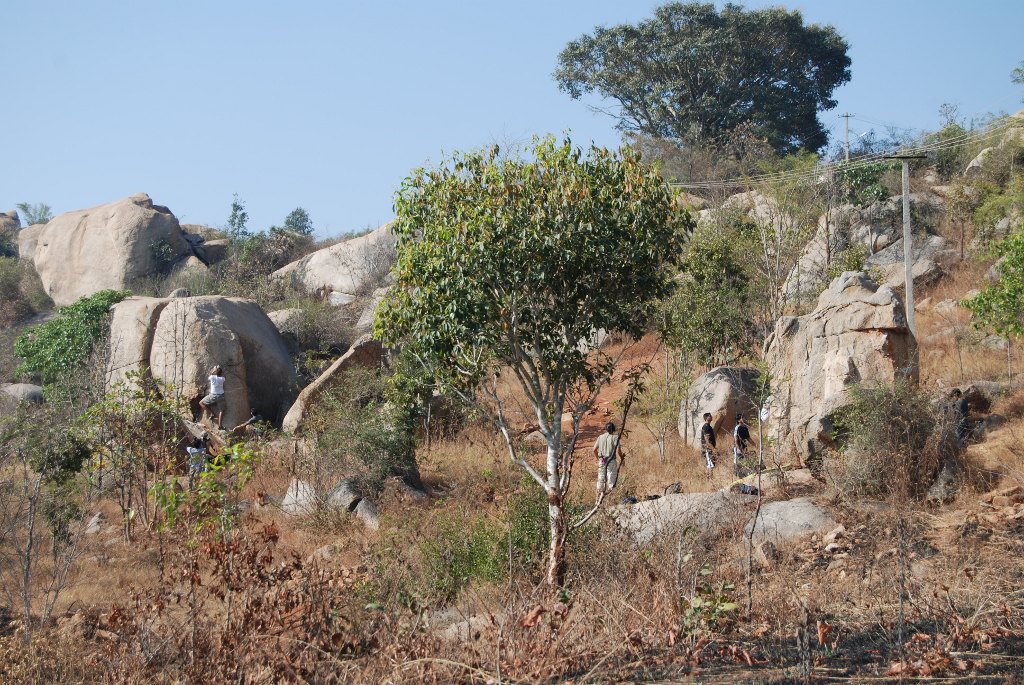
x: 535, y: 298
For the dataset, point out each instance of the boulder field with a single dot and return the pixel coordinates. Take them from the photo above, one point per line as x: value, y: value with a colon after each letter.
x: 179, y: 339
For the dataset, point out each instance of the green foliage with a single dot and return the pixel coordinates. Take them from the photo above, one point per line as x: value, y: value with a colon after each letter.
x: 512, y: 262
x: 56, y: 347
x: 996, y: 204
x: 359, y: 433
x: 1017, y: 75
x: 31, y: 214
x: 132, y: 433
x: 163, y: 255
x: 694, y: 72
x: 862, y: 185
x: 999, y: 306
x: 708, y: 317
x: 238, y: 220
x: 298, y: 221
x: 213, y: 501
x: 465, y: 548
x: 852, y: 258
x: 951, y: 159
x: 893, y: 440
x: 710, y: 607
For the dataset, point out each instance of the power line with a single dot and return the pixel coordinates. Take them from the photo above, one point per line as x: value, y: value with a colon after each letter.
x: 867, y: 160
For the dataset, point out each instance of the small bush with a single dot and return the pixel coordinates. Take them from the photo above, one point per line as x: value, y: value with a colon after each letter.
x: 360, y: 435
x: 892, y: 441
x: 465, y: 548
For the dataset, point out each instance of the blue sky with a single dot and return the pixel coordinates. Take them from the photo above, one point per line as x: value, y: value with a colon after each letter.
x: 328, y: 105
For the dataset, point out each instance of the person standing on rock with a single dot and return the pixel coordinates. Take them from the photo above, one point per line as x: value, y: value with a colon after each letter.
x: 606, y: 449
x: 740, y: 440
x: 707, y: 443
x: 214, y: 400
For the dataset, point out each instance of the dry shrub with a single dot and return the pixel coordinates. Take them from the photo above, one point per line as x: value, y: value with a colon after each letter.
x: 893, y: 441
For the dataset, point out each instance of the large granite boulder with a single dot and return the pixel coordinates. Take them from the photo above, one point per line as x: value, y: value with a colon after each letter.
x: 858, y: 333
x: 364, y: 353
x: 23, y: 392
x: 724, y: 392
x: 347, y: 269
x: 180, y: 339
x: 709, y: 512
x: 786, y: 520
x: 110, y: 246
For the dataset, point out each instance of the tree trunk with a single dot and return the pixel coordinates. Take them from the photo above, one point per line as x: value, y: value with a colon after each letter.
x: 559, y: 529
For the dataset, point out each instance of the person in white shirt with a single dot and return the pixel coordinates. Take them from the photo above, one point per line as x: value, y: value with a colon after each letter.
x: 214, y: 400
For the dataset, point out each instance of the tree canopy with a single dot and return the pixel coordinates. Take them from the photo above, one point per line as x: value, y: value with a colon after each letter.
x: 507, y: 265
x: 692, y: 73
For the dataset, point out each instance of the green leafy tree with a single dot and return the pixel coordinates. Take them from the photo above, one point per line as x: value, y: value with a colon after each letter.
x: 54, y: 348
x: 238, y: 220
x: 708, y: 317
x: 506, y: 264
x: 298, y: 221
x: 1000, y: 306
x: 32, y: 214
x: 1017, y: 75
x: 692, y: 72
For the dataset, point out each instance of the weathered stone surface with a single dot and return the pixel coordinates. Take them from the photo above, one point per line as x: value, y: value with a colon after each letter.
x: 365, y: 352
x: 110, y: 246
x: 857, y: 334
x: 708, y: 511
x: 366, y: 318
x: 212, y: 251
x: 179, y: 292
x: 132, y: 323
x: 976, y: 165
x: 23, y: 392
x: 347, y: 268
x: 344, y: 496
x: 194, y: 334
x: 469, y: 630
x: 724, y: 391
x: 875, y: 231
x: 285, y: 319
x: 788, y: 520
x: 366, y: 511
x: 300, y: 499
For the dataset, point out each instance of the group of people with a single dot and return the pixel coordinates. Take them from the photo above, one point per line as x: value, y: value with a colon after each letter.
x: 610, y: 456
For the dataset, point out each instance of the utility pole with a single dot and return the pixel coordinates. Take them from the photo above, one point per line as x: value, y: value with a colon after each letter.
x: 908, y: 239
x: 847, y: 134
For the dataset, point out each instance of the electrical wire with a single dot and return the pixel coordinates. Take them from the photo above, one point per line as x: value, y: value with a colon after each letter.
x: 821, y: 171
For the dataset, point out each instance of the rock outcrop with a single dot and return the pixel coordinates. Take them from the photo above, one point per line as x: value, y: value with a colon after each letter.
x: 111, y: 246
x: 179, y: 339
x: 724, y: 392
x: 875, y: 231
x: 858, y: 333
x: 345, y: 270
x: 780, y: 522
x: 709, y: 512
x: 23, y: 392
x: 365, y: 352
